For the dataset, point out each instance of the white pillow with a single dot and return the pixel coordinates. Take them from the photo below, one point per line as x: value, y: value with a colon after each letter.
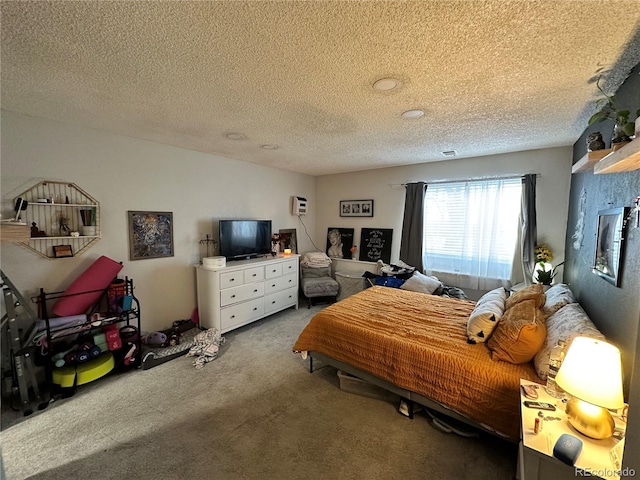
x: 486, y: 315
x: 557, y: 297
x: 421, y: 283
x: 569, y: 322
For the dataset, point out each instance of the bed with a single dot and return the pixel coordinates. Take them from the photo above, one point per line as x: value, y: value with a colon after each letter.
x: 416, y: 345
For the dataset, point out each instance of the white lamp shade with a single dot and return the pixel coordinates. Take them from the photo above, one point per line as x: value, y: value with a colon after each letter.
x: 591, y: 371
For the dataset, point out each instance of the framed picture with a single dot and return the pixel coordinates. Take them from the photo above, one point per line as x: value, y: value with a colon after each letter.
x: 288, y: 240
x: 609, y: 244
x: 150, y: 235
x: 375, y: 244
x: 339, y: 242
x: 61, y: 251
x: 356, y: 208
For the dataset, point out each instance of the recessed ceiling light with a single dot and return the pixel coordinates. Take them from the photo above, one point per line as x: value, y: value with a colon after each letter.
x: 269, y: 146
x: 386, y: 84
x: 449, y: 153
x: 235, y: 136
x: 412, y: 114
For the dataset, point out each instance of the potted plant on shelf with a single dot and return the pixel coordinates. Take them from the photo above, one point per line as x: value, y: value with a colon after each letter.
x: 623, y: 127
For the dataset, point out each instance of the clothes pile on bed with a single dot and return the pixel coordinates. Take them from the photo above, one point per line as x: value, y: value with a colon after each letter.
x: 406, y: 277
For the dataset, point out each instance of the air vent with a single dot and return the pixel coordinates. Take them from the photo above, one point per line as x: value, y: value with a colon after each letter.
x: 450, y: 153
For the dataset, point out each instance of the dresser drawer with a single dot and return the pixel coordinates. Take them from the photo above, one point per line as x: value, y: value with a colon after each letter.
x: 280, y: 283
x: 231, y: 279
x: 280, y: 300
x: 274, y: 270
x: 255, y: 274
x: 290, y: 266
x: 241, y: 314
x: 241, y: 293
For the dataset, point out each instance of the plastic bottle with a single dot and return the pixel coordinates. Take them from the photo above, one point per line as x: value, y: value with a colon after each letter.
x: 555, y: 360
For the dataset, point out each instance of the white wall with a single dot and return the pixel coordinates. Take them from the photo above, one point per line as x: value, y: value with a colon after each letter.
x: 124, y: 174
x: 553, y: 165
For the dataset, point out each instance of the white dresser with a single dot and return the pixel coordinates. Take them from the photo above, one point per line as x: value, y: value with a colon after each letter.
x: 246, y: 290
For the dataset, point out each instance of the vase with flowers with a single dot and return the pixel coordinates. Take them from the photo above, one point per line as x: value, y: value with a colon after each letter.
x: 544, y: 271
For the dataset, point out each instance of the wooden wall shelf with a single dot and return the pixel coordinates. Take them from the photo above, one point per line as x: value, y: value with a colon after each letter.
x: 589, y: 160
x: 65, y: 199
x: 625, y: 159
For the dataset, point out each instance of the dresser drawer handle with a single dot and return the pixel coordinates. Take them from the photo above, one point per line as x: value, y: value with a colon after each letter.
x: 273, y: 302
x: 233, y: 296
x: 233, y: 316
x: 232, y: 279
x: 254, y: 275
x: 255, y: 291
x: 272, y: 286
x: 290, y: 280
x: 255, y: 308
x: 273, y: 271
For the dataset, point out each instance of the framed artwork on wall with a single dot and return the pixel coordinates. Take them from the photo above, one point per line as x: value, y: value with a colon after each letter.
x: 150, y: 235
x: 356, y: 208
x: 375, y: 244
x: 610, y: 244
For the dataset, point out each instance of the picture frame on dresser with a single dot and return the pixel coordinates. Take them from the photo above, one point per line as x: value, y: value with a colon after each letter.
x: 610, y: 244
x: 150, y: 234
x: 288, y: 239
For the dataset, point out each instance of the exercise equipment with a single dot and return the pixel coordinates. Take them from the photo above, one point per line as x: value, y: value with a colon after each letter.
x: 67, y: 377
x: 21, y: 345
x: 87, y: 288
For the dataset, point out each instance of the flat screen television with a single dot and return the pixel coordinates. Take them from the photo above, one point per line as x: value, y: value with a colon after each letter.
x: 240, y: 239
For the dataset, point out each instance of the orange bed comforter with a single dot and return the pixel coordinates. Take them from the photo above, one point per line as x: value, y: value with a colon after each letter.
x: 418, y: 342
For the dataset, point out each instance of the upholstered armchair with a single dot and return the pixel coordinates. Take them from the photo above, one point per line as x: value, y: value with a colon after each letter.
x: 318, y: 283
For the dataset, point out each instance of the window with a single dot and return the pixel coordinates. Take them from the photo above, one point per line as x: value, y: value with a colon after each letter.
x: 471, y: 230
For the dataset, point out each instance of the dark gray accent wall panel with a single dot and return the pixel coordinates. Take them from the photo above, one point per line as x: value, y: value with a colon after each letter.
x: 616, y: 311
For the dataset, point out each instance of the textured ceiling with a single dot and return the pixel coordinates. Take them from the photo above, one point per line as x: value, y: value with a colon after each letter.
x: 492, y: 76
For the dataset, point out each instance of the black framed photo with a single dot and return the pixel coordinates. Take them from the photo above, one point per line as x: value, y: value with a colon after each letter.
x: 610, y: 244
x: 150, y: 235
x: 62, y: 251
x: 356, y: 208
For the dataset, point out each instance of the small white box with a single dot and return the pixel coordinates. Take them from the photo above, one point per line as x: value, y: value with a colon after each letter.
x: 214, y: 263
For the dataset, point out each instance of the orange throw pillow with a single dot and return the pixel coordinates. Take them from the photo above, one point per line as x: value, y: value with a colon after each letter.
x: 520, y: 334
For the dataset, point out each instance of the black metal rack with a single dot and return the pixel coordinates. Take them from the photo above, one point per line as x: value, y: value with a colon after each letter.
x: 128, y: 317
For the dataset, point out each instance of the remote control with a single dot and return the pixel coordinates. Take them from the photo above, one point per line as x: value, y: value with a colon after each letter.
x: 539, y: 405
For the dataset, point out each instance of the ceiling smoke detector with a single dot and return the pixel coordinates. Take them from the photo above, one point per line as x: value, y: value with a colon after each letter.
x: 449, y: 153
x: 386, y: 84
x: 235, y: 136
x: 412, y: 114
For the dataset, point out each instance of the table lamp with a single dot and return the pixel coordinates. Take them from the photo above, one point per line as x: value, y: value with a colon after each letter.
x: 592, y: 374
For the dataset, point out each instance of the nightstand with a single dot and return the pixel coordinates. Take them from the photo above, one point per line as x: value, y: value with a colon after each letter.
x: 535, y: 453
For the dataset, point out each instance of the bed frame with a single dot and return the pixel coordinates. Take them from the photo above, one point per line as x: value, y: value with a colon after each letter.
x: 410, y: 397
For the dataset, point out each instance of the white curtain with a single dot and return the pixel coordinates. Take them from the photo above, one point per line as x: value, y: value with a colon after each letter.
x: 471, y: 232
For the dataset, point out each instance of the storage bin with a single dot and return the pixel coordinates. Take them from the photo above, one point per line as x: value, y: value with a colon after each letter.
x: 350, y: 283
x: 352, y: 384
